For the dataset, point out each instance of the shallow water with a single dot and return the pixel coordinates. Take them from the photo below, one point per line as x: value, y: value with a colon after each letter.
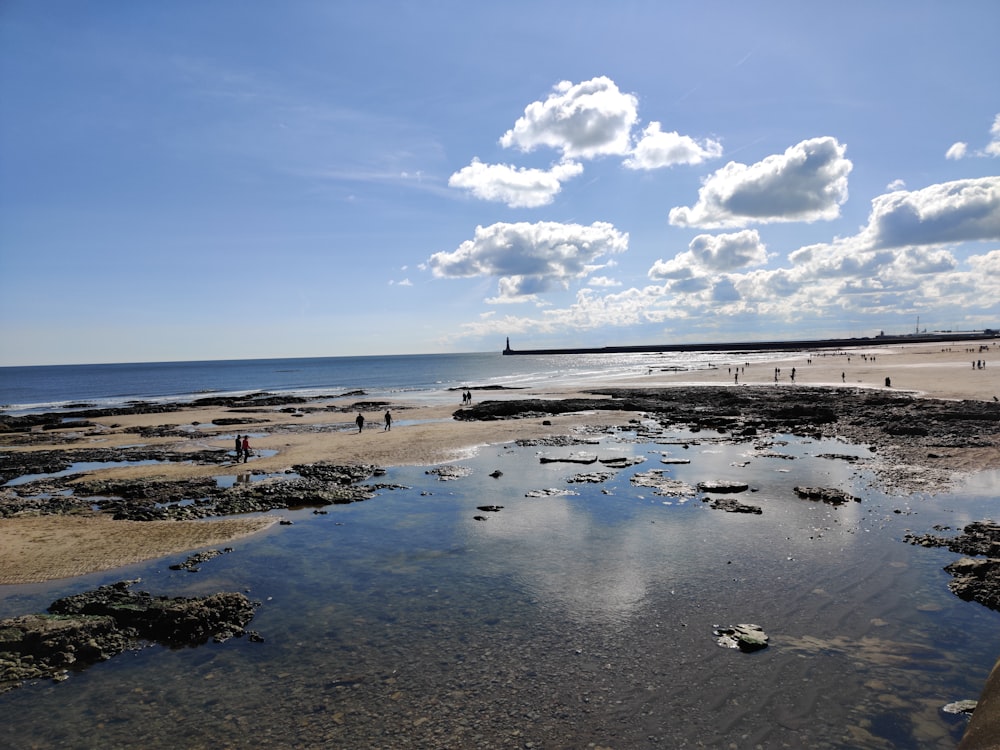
x: 559, y: 621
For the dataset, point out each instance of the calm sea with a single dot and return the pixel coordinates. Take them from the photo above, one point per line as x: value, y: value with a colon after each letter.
x: 46, y: 388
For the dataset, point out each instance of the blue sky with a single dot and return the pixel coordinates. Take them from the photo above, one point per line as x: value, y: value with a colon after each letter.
x: 222, y: 179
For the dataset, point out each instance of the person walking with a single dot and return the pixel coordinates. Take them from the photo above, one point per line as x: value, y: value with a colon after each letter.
x: 388, y: 422
x: 246, y: 448
x: 360, y: 422
x: 239, y: 448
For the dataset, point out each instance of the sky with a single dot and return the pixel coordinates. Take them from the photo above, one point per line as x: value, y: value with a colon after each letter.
x: 228, y: 179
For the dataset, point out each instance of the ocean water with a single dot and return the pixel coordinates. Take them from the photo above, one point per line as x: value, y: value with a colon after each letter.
x: 563, y: 621
x: 53, y: 387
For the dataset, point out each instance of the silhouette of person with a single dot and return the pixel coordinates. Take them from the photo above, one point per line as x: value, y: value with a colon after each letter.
x: 246, y: 448
x: 239, y: 448
x: 360, y: 422
x: 388, y: 422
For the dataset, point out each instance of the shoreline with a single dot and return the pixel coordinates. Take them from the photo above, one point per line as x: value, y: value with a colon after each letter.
x: 422, y: 434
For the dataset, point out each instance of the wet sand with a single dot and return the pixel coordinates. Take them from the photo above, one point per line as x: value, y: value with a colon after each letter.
x: 48, y: 547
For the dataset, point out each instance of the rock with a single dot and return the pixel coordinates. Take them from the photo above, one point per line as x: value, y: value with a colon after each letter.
x: 450, y: 472
x: 732, y: 505
x: 826, y: 494
x: 622, y: 462
x: 723, y: 486
x: 663, y: 485
x: 976, y: 580
x: 496, y: 474
x: 960, y: 707
x: 96, y: 625
x: 550, y: 492
x: 746, y: 637
x: 572, y: 458
x: 594, y: 477
x: 490, y: 508
x: 192, y: 563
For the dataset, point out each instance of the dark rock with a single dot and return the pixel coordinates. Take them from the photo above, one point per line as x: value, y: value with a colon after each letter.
x: 976, y: 580
x: 96, y: 625
x: 826, y: 494
x: 572, y: 458
x: 723, y: 486
x: 732, y: 505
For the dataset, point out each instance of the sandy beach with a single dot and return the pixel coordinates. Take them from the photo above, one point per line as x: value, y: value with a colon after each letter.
x: 38, y: 548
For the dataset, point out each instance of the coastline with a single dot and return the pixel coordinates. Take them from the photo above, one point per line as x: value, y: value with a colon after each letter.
x: 46, y: 547
x: 932, y: 388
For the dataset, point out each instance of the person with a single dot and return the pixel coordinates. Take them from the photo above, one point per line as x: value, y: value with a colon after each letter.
x: 246, y: 448
x: 239, y: 448
x: 360, y: 422
x: 388, y: 422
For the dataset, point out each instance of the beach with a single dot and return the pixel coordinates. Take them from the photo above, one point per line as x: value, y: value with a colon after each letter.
x: 40, y: 547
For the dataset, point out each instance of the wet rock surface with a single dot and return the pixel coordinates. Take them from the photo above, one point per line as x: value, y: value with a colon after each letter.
x: 829, y: 495
x: 96, y: 625
x: 906, y: 431
x: 973, y: 579
x: 312, y: 485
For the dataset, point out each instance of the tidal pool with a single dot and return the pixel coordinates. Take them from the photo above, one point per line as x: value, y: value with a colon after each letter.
x: 558, y: 621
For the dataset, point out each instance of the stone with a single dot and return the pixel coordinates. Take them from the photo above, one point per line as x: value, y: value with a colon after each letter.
x: 747, y: 637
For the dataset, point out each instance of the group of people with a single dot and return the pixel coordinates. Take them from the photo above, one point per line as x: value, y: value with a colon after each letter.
x: 360, y: 421
x: 242, y: 448
x: 466, y: 398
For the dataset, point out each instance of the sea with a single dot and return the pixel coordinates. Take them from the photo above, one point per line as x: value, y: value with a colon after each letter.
x: 421, y: 376
x: 580, y: 610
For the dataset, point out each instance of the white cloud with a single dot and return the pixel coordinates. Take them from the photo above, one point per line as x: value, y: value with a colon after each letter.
x: 907, y: 259
x: 957, y: 151
x: 713, y: 254
x: 806, y: 183
x: 658, y: 149
x: 602, y: 281
x: 528, y: 259
x: 896, y: 185
x: 517, y: 187
x: 581, y: 120
x: 993, y: 147
x: 404, y: 282
x: 959, y: 211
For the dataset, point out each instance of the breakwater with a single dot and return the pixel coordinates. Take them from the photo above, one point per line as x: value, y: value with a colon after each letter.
x: 747, y: 346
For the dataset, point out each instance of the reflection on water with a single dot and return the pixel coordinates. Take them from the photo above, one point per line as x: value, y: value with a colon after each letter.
x: 560, y: 621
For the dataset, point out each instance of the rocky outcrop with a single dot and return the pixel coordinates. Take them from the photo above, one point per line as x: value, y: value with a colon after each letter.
x: 829, y: 495
x: 976, y: 580
x: 96, y: 625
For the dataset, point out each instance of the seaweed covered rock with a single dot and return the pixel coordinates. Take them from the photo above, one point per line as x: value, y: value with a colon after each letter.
x: 87, y: 628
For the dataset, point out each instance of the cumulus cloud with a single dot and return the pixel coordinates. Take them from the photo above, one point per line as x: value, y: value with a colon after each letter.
x: 658, y: 149
x: 806, y: 183
x: 517, y: 187
x: 583, y: 120
x: 528, y: 259
x: 708, y: 253
x: 909, y: 258
x: 959, y: 211
x: 957, y: 151
x: 896, y: 185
